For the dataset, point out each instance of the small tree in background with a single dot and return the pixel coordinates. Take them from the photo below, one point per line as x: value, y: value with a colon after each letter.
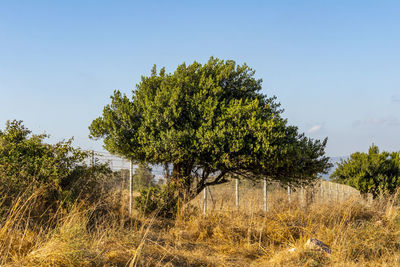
x: 371, y: 172
x: 143, y: 177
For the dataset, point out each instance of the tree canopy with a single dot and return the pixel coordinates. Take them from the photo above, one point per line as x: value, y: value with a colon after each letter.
x: 371, y: 172
x: 211, y: 122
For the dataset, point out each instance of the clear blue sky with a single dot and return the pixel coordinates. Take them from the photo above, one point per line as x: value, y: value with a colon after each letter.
x: 334, y: 65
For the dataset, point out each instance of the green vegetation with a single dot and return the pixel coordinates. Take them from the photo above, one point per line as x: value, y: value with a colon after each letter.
x: 143, y: 178
x: 211, y: 122
x: 154, y: 197
x: 371, y: 172
x: 28, y: 166
x: 157, y: 200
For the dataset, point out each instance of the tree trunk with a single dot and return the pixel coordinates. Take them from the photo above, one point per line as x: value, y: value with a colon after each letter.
x: 166, y: 172
x: 181, y: 175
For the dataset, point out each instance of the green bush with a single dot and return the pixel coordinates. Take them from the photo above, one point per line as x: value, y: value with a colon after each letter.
x: 58, y: 171
x: 163, y: 201
x: 373, y: 172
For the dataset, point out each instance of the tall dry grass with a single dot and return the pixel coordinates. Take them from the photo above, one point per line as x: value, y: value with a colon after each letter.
x: 100, y: 234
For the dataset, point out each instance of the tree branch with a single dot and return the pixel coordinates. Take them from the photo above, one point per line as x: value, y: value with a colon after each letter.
x: 220, y: 179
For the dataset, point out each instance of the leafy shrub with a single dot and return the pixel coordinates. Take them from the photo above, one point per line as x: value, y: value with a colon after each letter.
x: 371, y: 172
x: 160, y: 200
x: 28, y: 165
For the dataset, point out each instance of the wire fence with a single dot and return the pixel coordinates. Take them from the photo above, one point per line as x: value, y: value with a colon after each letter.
x: 235, y: 194
x: 116, y: 163
x: 260, y: 196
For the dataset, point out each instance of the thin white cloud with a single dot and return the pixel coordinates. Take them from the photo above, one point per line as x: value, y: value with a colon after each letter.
x: 396, y: 98
x: 385, y: 121
x: 376, y: 121
x: 315, y: 129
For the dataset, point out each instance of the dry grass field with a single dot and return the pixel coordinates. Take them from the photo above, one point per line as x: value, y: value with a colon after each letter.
x: 358, y: 233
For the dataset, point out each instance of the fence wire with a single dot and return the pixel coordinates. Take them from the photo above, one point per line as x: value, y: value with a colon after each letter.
x: 248, y: 197
x: 116, y: 163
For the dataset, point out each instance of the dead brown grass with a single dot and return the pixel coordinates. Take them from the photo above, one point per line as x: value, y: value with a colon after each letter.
x: 358, y: 234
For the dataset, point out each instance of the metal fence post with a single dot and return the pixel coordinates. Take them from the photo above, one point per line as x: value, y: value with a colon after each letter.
x: 322, y: 191
x: 312, y: 196
x: 337, y: 192
x: 237, y: 193
x: 343, y: 192
x: 130, y: 187
x: 205, y: 201
x: 265, y: 195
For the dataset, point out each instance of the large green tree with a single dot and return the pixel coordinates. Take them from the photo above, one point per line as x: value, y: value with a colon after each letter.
x: 211, y: 122
x: 371, y: 172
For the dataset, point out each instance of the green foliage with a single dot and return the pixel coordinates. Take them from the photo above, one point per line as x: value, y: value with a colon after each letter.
x: 28, y: 165
x: 371, y: 172
x: 25, y: 160
x: 211, y: 122
x: 143, y: 178
x: 162, y: 200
